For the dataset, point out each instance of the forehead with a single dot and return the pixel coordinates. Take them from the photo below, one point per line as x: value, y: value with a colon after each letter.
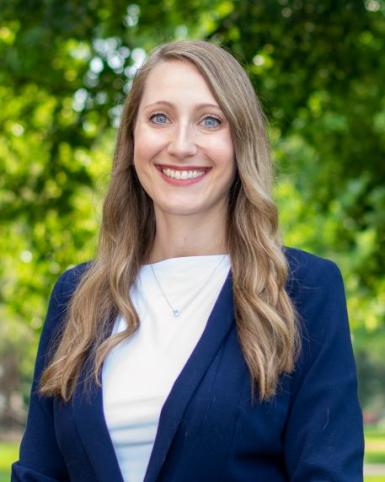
x: 176, y: 81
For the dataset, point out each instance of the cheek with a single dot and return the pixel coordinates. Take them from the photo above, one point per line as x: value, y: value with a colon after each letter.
x: 141, y: 149
x: 221, y: 146
x: 222, y: 152
x: 146, y: 145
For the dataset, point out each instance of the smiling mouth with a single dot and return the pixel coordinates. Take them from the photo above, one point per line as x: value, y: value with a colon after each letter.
x: 180, y: 173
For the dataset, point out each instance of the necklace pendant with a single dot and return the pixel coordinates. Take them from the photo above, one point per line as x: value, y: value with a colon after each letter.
x: 176, y: 312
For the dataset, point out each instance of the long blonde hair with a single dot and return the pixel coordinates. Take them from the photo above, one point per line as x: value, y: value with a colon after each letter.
x: 265, y: 317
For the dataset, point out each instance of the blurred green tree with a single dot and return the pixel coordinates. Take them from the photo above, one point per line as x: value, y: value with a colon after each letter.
x: 318, y: 69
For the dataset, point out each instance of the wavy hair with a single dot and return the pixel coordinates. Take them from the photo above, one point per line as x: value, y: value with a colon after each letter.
x: 266, y: 320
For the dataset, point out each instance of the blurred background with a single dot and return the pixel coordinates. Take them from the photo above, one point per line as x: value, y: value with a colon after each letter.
x: 66, y: 67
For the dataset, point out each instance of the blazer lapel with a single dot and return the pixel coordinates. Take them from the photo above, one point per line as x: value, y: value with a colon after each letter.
x: 93, y: 431
x: 218, y: 325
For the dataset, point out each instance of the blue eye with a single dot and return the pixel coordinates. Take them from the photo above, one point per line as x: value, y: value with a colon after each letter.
x: 159, y: 118
x: 211, y: 121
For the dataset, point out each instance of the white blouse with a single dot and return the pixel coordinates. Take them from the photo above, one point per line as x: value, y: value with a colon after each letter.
x: 138, y: 373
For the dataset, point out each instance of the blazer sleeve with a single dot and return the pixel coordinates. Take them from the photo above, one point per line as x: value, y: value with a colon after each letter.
x: 40, y: 458
x: 323, y: 439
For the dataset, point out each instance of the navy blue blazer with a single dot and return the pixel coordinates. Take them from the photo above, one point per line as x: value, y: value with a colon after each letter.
x: 209, y: 429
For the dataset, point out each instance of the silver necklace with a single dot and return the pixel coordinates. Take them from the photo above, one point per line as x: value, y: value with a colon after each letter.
x: 177, y: 311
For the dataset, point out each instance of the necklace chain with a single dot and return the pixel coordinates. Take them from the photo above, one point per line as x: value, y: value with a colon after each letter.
x: 175, y: 311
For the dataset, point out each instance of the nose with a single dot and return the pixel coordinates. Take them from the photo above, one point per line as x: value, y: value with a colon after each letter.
x: 182, y: 142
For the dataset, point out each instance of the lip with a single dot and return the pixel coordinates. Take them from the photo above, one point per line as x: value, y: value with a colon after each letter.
x: 182, y: 168
x: 182, y: 182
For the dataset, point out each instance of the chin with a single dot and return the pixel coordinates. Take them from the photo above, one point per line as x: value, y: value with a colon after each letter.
x: 179, y: 209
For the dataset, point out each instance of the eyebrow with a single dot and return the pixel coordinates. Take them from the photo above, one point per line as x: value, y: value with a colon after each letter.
x: 169, y: 104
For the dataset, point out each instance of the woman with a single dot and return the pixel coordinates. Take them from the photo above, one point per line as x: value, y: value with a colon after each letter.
x: 159, y: 363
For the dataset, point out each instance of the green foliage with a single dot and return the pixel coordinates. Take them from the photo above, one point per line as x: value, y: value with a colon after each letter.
x: 318, y: 68
x: 8, y: 454
x: 374, y: 446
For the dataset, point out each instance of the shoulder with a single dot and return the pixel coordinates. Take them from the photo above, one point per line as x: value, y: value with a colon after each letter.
x: 72, y: 276
x: 304, y: 265
x: 317, y: 290
x: 69, y: 280
x: 61, y: 294
x: 310, y: 274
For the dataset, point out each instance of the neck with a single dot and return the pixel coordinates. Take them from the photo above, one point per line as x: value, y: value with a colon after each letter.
x: 190, y: 235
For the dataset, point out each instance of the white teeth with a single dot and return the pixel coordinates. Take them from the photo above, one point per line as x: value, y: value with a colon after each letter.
x: 182, y: 174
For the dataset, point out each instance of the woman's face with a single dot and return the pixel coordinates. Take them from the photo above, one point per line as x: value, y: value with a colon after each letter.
x: 183, y: 150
